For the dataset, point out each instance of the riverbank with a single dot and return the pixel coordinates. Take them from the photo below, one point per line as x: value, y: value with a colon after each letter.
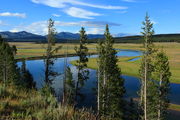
x: 33, y: 51
x: 43, y: 57
x: 130, y: 68
x: 127, y: 66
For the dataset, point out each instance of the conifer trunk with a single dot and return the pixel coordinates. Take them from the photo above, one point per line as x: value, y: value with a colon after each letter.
x: 4, y: 74
x: 145, y: 90
x: 159, y: 109
x: 98, y: 94
x: 76, y: 90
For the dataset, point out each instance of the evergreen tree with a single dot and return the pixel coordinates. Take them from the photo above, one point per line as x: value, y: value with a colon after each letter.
x: 100, y: 85
x: 9, y: 73
x: 133, y: 114
x: 26, y: 77
x: 110, y: 81
x: 162, y: 75
x: 148, y: 91
x: 81, y: 63
x: 70, y: 87
x: 50, y: 74
x: 14, y: 49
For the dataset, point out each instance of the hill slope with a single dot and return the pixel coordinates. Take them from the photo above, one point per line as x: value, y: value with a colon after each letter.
x: 62, y: 37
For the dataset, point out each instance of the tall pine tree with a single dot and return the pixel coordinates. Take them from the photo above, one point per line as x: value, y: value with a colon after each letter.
x: 148, y: 91
x: 26, y: 77
x: 81, y: 63
x: 70, y: 87
x: 50, y: 74
x: 162, y: 75
x: 8, y: 68
x: 110, y: 82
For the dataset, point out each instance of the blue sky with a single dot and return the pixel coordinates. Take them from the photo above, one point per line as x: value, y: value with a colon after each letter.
x: 123, y: 16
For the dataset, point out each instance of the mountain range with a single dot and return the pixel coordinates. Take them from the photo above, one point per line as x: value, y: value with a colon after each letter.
x: 30, y: 37
x: 63, y: 37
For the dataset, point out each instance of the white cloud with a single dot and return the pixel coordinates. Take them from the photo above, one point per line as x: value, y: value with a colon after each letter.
x: 8, y: 14
x: 154, y: 22
x: 40, y: 27
x: 15, y: 30
x: 2, y: 23
x: 64, y: 3
x: 35, y: 27
x: 122, y: 12
x: 56, y: 15
x: 86, y: 23
x: 95, y: 31
x: 129, y: 0
x: 80, y: 13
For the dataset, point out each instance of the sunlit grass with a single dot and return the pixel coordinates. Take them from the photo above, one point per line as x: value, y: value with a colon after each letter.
x: 172, y: 50
x: 174, y: 107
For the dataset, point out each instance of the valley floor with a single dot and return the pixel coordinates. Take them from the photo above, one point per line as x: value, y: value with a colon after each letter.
x: 172, y: 49
x: 26, y: 50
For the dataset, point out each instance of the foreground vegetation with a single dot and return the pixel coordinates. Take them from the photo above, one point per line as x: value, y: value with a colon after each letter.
x: 33, y: 105
x: 20, y: 99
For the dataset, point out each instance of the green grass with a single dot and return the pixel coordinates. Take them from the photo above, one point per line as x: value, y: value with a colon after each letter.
x: 20, y: 104
x: 172, y: 50
x: 25, y: 50
x: 17, y: 103
x: 127, y: 68
x: 174, y: 107
x: 130, y: 67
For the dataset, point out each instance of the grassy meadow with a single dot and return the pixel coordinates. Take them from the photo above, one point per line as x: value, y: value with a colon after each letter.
x: 172, y: 50
x: 25, y: 50
x: 29, y: 49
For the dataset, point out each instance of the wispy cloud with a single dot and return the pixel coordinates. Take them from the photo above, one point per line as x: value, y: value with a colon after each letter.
x: 41, y: 29
x: 3, y: 23
x: 129, y: 0
x: 154, y: 22
x: 86, y: 23
x: 80, y: 13
x: 64, y: 3
x: 14, y: 30
x: 96, y: 26
x: 56, y: 15
x: 95, y: 31
x: 122, y: 12
x: 8, y: 14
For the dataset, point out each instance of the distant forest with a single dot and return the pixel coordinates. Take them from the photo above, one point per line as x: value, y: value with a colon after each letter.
x: 138, y: 38
x: 127, y: 39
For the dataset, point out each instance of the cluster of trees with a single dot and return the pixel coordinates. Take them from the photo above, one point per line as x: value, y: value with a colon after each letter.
x: 154, y: 72
x: 155, y: 77
x: 10, y: 73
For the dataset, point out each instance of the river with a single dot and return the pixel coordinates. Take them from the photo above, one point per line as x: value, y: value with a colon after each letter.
x: 36, y: 67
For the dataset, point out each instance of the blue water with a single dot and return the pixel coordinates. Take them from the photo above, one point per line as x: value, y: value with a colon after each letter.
x: 134, y: 59
x: 36, y: 67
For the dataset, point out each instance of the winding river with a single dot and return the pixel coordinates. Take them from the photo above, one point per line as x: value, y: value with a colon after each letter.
x: 36, y: 67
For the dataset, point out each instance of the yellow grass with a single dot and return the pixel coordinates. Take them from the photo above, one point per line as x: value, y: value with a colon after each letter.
x: 172, y: 50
